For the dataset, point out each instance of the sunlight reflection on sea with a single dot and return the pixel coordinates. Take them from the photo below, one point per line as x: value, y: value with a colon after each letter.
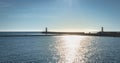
x: 72, y: 49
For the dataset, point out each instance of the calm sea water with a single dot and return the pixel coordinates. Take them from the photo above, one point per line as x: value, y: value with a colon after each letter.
x: 59, y: 49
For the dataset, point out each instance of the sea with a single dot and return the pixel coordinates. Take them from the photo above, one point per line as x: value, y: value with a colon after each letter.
x: 58, y: 49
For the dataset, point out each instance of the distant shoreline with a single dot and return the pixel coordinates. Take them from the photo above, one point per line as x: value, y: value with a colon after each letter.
x: 29, y: 34
x: 50, y: 35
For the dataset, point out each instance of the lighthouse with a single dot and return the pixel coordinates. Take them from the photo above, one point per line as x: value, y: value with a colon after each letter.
x: 102, y: 29
x: 46, y: 30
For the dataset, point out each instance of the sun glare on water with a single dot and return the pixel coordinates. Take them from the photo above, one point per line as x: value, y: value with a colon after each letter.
x: 70, y: 39
x: 69, y: 47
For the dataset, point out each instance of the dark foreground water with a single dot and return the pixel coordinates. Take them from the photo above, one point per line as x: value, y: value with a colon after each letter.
x: 59, y: 49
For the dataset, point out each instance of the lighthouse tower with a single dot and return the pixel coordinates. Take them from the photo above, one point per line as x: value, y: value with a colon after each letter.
x: 46, y: 30
x: 102, y: 29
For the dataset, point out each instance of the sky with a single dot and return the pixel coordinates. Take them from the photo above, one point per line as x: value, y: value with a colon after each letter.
x: 59, y: 15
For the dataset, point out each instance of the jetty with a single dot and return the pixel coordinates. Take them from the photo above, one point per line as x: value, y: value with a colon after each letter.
x: 100, y: 33
x: 53, y: 33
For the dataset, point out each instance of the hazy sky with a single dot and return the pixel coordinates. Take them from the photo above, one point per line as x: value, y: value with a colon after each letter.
x: 59, y: 15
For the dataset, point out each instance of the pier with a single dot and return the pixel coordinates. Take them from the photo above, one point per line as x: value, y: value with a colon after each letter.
x: 53, y: 33
x: 100, y: 33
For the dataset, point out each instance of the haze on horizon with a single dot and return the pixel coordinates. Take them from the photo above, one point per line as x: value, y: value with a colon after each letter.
x: 59, y: 15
